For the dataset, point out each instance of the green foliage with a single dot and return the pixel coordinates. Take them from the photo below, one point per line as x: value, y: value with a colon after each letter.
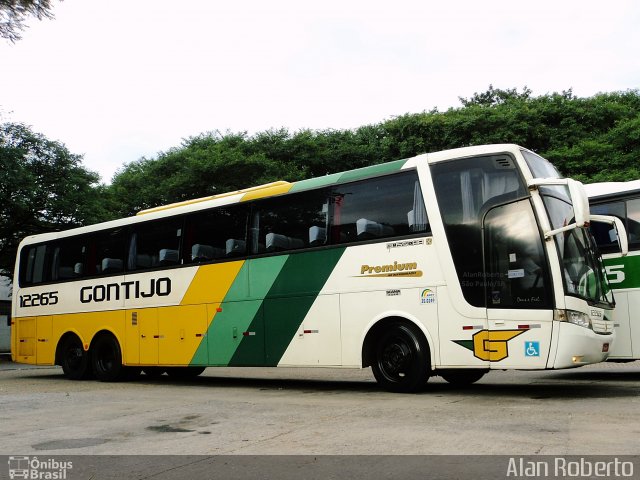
x: 43, y: 188
x: 214, y: 163
x: 581, y: 136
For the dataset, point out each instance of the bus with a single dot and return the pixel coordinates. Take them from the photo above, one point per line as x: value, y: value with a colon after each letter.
x: 448, y: 264
x: 621, y: 199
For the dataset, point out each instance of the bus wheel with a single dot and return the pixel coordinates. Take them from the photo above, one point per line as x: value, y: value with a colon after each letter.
x: 184, y: 373
x: 401, y: 361
x: 462, y: 376
x: 107, y: 359
x: 73, y: 359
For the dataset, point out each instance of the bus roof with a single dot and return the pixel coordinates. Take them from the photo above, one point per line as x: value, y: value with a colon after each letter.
x: 611, y: 189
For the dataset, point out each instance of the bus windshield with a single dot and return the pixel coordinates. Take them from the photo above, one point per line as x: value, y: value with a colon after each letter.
x: 584, y: 274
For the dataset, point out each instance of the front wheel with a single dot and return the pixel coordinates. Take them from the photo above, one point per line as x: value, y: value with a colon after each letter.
x: 401, y: 361
x: 107, y: 359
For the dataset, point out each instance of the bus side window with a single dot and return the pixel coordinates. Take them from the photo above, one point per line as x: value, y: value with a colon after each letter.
x: 109, y: 250
x: 155, y: 244
x: 603, y: 233
x: 290, y: 222
x: 382, y: 207
x: 633, y: 222
x: 34, y: 261
x: 215, y: 234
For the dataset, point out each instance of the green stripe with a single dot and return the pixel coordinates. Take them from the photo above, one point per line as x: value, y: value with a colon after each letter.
x: 265, y: 307
x: 349, y: 176
x: 372, y: 171
x: 315, y: 182
x: 240, y: 306
x: 286, y: 304
x: 626, y: 269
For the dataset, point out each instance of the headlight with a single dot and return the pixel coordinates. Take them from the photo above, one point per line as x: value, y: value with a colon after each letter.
x: 571, y: 316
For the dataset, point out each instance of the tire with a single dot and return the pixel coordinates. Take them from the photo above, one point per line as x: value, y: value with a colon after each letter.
x: 106, y: 359
x: 462, y: 376
x: 401, y: 362
x: 73, y: 359
x: 184, y: 373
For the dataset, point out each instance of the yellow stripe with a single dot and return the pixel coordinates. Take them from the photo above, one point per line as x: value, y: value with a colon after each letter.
x: 211, y: 283
x: 277, y: 189
x: 275, y: 186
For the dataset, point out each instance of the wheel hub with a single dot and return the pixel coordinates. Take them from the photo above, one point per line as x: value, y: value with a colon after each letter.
x: 395, y: 357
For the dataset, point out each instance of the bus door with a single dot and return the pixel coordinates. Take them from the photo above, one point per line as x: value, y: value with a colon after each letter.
x: 517, y: 288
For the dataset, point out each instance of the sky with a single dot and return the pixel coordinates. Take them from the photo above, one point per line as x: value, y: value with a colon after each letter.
x: 118, y: 80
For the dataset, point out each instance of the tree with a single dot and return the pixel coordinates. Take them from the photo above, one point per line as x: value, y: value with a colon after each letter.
x: 13, y: 14
x: 578, y: 135
x: 43, y: 188
x: 495, y: 96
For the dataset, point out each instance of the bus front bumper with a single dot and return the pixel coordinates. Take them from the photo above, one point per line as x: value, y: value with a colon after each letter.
x: 579, y: 346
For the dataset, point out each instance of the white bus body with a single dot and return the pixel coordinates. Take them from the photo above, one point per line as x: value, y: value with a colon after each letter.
x: 450, y: 263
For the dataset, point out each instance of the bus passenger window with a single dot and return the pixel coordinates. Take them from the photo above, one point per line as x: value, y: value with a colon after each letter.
x: 155, y: 244
x: 34, y: 265
x: 602, y: 232
x: 290, y: 222
x: 382, y: 207
x: 633, y: 222
x: 215, y: 234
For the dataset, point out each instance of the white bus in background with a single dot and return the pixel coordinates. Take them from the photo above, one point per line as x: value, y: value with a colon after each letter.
x: 621, y: 199
x: 5, y: 316
x: 447, y: 264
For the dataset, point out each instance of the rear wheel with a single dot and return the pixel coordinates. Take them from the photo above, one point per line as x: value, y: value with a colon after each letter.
x: 462, y: 376
x: 107, y: 359
x: 73, y: 359
x: 401, y: 362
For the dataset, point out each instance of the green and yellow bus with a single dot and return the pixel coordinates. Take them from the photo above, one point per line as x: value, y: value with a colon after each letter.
x: 622, y: 200
x: 451, y: 263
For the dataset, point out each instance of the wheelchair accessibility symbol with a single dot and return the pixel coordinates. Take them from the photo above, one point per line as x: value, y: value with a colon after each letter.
x: 532, y: 349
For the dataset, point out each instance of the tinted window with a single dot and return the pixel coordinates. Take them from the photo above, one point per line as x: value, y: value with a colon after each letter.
x: 215, y: 234
x: 107, y: 252
x: 69, y: 258
x: 35, y: 264
x: 290, y: 222
x: 99, y: 253
x: 516, y: 274
x: 605, y: 234
x: 466, y: 190
x: 155, y: 244
x: 633, y: 223
x: 382, y: 207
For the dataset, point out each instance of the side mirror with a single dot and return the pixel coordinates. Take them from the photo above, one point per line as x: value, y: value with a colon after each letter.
x: 579, y: 201
x: 621, y: 232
